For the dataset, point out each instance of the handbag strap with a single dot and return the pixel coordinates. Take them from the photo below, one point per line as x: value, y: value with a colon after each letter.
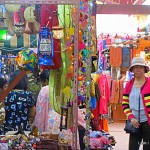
x: 139, y: 110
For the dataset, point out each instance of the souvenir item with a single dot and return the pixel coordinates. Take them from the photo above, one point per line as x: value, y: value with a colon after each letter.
x: 46, y: 47
x: 26, y: 60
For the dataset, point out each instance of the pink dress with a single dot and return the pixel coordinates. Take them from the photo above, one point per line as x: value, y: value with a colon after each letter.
x: 42, y: 110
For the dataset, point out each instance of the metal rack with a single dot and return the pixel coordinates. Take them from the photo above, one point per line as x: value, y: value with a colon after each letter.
x: 76, y: 23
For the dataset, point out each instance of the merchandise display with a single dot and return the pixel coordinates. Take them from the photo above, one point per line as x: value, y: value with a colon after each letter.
x: 26, y: 60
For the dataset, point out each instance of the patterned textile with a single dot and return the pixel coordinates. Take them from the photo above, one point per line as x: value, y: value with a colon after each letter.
x: 115, y: 92
x: 99, y: 143
x: 96, y: 143
x: 42, y: 110
x: 99, y: 140
x: 17, y: 104
x: 53, y: 126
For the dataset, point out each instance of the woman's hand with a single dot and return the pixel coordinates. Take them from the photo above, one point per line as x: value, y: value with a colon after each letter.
x: 135, y: 123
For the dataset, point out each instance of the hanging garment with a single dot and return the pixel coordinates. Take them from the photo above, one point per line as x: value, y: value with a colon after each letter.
x: 104, y: 44
x: 105, y: 92
x: 104, y: 124
x: 115, y: 73
x: 125, y: 57
x: 100, y: 46
x: 142, y: 44
x: 95, y: 111
x: 100, y: 55
x: 117, y: 92
x: 108, y: 41
x: 135, y: 52
x: 121, y: 90
x: 114, y: 98
x: 115, y: 56
x: 109, y: 82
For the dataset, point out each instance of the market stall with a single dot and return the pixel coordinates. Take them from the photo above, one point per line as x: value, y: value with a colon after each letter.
x: 58, y: 36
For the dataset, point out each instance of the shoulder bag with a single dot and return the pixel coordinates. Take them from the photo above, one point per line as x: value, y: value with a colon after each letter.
x: 129, y: 128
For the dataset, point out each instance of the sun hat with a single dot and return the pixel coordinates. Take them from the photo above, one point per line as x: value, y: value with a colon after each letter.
x: 138, y: 61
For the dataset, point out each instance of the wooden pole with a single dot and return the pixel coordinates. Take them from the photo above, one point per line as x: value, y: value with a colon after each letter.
x: 12, y: 85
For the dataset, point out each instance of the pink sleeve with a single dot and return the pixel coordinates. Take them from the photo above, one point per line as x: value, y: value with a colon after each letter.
x: 81, y: 120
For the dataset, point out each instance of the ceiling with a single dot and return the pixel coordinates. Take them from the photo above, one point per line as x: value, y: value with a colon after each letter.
x: 129, y: 2
x: 130, y: 7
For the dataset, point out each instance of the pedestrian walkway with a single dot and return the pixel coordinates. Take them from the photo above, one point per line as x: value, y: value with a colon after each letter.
x: 122, y: 139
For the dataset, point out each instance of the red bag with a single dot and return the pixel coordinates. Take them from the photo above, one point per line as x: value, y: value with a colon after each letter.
x: 96, y: 125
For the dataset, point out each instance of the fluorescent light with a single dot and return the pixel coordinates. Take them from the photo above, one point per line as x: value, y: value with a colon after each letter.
x: 146, y: 2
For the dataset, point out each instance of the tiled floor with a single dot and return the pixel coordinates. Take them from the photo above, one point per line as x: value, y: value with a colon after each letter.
x: 116, y: 130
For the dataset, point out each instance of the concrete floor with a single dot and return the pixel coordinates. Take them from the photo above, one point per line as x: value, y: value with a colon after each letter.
x: 116, y: 130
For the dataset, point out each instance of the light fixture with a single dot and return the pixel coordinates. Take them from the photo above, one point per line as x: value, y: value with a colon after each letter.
x: 58, y: 32
x: 46, y: 47
x: 3, y: 35
x: 19, y: 28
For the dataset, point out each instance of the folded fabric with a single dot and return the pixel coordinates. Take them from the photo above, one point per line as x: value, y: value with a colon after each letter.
x: 96, y: 134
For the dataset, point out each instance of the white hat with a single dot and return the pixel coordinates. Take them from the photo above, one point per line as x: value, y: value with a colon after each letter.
x: 138, y: 61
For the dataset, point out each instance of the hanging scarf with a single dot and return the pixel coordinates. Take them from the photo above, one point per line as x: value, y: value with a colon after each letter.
x: 125, y: 57
x: 115, y: 56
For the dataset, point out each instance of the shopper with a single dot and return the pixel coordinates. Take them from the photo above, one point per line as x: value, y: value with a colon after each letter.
x: 3, y: 83
x: 47, y: 119
x: 136, y: 104
x: 19, y: 106
x: 43, y: 103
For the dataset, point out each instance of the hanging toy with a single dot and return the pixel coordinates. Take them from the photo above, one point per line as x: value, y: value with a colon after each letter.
x: 26, y: 60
